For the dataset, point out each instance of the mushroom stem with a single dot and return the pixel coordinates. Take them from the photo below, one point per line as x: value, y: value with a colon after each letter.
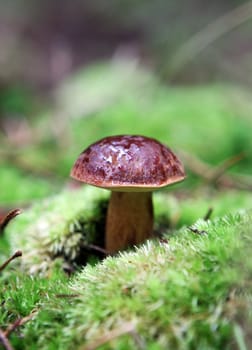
x: 129, y: 219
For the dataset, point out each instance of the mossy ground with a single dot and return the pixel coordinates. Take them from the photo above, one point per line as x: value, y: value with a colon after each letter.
x: 190, y: 290
x: 190, y: 287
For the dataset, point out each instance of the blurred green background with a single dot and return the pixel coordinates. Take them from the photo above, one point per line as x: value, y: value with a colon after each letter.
x: 73, y: 72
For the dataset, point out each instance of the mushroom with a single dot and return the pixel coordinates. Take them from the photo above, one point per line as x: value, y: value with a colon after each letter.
x: 131, y: 166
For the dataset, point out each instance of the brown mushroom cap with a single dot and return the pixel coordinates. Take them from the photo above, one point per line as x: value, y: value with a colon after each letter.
x: 128, y: 162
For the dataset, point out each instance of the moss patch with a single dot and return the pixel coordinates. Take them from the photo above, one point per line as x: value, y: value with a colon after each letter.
x: 192, y: 291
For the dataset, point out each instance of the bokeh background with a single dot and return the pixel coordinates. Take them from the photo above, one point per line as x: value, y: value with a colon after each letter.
x: 74, y: 71
x: 44, y: 41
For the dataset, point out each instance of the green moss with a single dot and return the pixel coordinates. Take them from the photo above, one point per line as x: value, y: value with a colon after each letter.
x: 66, y: 225
x: 188, y: 293
x: 62, y: 227
x: 22, y: 296
x: 174, y: 211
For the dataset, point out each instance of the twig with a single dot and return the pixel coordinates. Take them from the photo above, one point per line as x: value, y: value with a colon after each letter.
x: 126, y: 328
x: 97, y: 248
x: 4, y: 340
x: 225, y: 165
x: 67, y: 296
x: 208, y: 214
x: 7, y: 218
x: 206, y: 217
x: 216, y: 175
x: 19, y: 322
x: 195, y: 230
x: 139, y: 341
x: 210, y: 33
x: 17, y: 254
x: 204, y: 170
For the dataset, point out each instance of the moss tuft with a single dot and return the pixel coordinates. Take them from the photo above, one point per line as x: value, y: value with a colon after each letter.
x: 62, y: 228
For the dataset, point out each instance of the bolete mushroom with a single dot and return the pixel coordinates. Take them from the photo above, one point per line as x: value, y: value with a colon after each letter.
x: 131, y: 166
